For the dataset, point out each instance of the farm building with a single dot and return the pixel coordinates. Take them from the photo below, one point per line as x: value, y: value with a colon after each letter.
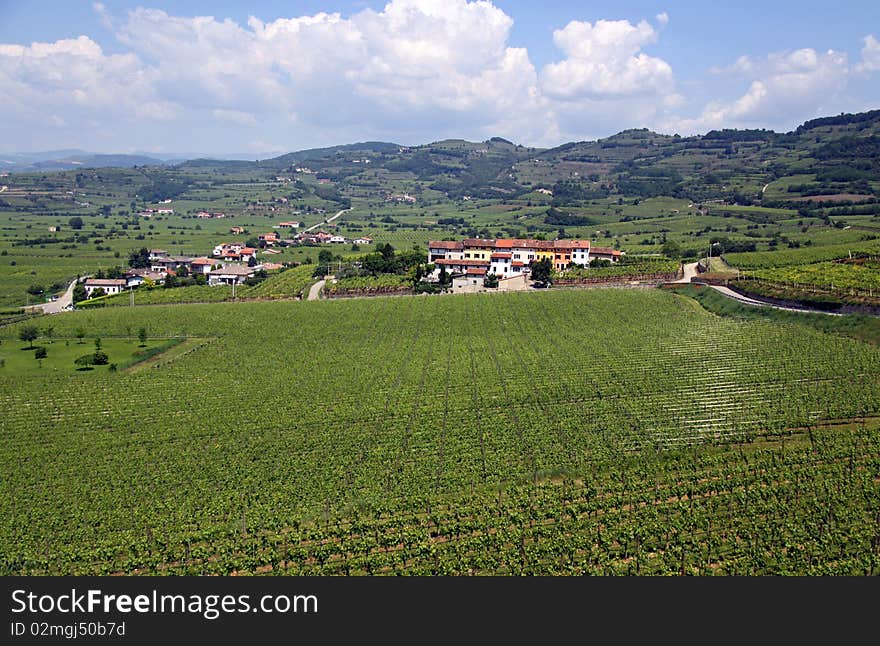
x: 109, y: 285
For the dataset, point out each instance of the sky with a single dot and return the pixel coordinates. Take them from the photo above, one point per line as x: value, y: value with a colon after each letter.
x: 267, y: 77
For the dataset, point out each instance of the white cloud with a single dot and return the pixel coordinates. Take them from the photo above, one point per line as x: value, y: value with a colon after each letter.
x: 662, y: 19
x: 75, y: 78
x: 235, y: 116
x: 784, y: 88
x: 870, y: 55
x: 605, y: 60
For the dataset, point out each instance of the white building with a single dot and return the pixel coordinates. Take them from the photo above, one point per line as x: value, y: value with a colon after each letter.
x: 109, y: 285
x: 230, y: 275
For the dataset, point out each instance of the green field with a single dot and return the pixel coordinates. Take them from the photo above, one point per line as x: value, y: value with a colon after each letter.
x: 565, y: 432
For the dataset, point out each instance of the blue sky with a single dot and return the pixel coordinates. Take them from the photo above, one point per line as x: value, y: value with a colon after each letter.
x: 267, y: 77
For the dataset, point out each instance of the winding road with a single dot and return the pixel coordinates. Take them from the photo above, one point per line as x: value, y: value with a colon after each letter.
x: 328, y: 220
x: 690, y: 270
x: 315, y: 290
x: 53, y: 307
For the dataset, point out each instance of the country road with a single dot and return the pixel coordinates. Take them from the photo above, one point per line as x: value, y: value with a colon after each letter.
x: 328, y: 220
x: 53, y: 307
x: 315, y: 291
x: 690, y: 270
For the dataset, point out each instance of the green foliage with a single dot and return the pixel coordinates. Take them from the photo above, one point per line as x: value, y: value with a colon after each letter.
x: 683, y: 421
x: 40, y: 353
x: 542, y: 271
x: 29, y: 334
x: 139, y: 259
x: 79, y: 292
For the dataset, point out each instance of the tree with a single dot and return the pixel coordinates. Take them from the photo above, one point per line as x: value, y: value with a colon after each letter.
x: 671, y: 249
x: 80, y: 334
x: 100, y: 358
x: 445, y: 278
x: 79, y: 293
x: 98, y: 292
x: 542, y: 271
x: 139, y: 259
x: 40, y: 353
x: 35, y: 290
x: 142, y: 336
x: 252, y: 261
x: 29, y: 334
x: 75, y: 222
x: 49, y: 332
x: 491, y: 280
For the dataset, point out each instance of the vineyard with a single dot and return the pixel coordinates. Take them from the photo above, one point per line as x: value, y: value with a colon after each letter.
x: 570, y: 432
x: 844, y: 276
x: 802, y: 256
x: 368, y: 285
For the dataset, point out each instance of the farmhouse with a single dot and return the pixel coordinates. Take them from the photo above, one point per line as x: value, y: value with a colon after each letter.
x: 236, y: 230
x: 230, y: 275
x: 512, y: 256
x: 137, y: 277
x: 269, y: 238
x: 201, y: 265
x: 289, y: 225
x: 108, y: 285
x: 605, y: 253
x: 337, y: 239
x: 364, y: 240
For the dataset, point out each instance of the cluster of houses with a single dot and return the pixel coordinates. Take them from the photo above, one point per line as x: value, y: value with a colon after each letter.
x: 208, y: 214
x: 475, y: 258
x: 217, y: 270
x: 400, y: 197
x: 148, y: 213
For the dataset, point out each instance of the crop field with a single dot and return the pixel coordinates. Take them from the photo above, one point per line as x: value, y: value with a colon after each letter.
x: 572, y: 432
x: 802, y: 256
x: 862, y: 277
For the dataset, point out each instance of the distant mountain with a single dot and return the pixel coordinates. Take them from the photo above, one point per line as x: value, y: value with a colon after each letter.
x: 71, y: 160
x: 74, y: 159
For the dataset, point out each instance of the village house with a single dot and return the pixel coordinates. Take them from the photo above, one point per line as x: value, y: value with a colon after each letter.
x: 137, y: 277
x: 363, y: 240
x: 269, y: 238
x: 171, y: 263
x: 201, y: 265
x: 337, y: 239
x: 230, y: 275
x: 108, y: 285
x: 227, y: 248
x: 512, y: 256
x: 236, y: 230
x: 289, y: 225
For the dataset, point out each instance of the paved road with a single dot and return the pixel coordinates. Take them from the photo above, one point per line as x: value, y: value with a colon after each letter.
x: 315, y: 291
x: 751, y: 301
x: 690, y: 270
x: 53, y: 307
x: 328, y: 220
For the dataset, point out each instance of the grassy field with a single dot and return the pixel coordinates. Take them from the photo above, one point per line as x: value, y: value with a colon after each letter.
x: 17, y: 358
x: 574, y: 432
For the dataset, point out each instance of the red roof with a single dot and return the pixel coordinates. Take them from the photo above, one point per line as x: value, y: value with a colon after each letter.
x: 605, y: 251
x: 504, y: 243
x: 500, y: 256
x: 248, y: 250
x: 476, y: 271
x: 444, y: 244
x: 479, y: 242
x: 201, y: 261
x: 517, y: 263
